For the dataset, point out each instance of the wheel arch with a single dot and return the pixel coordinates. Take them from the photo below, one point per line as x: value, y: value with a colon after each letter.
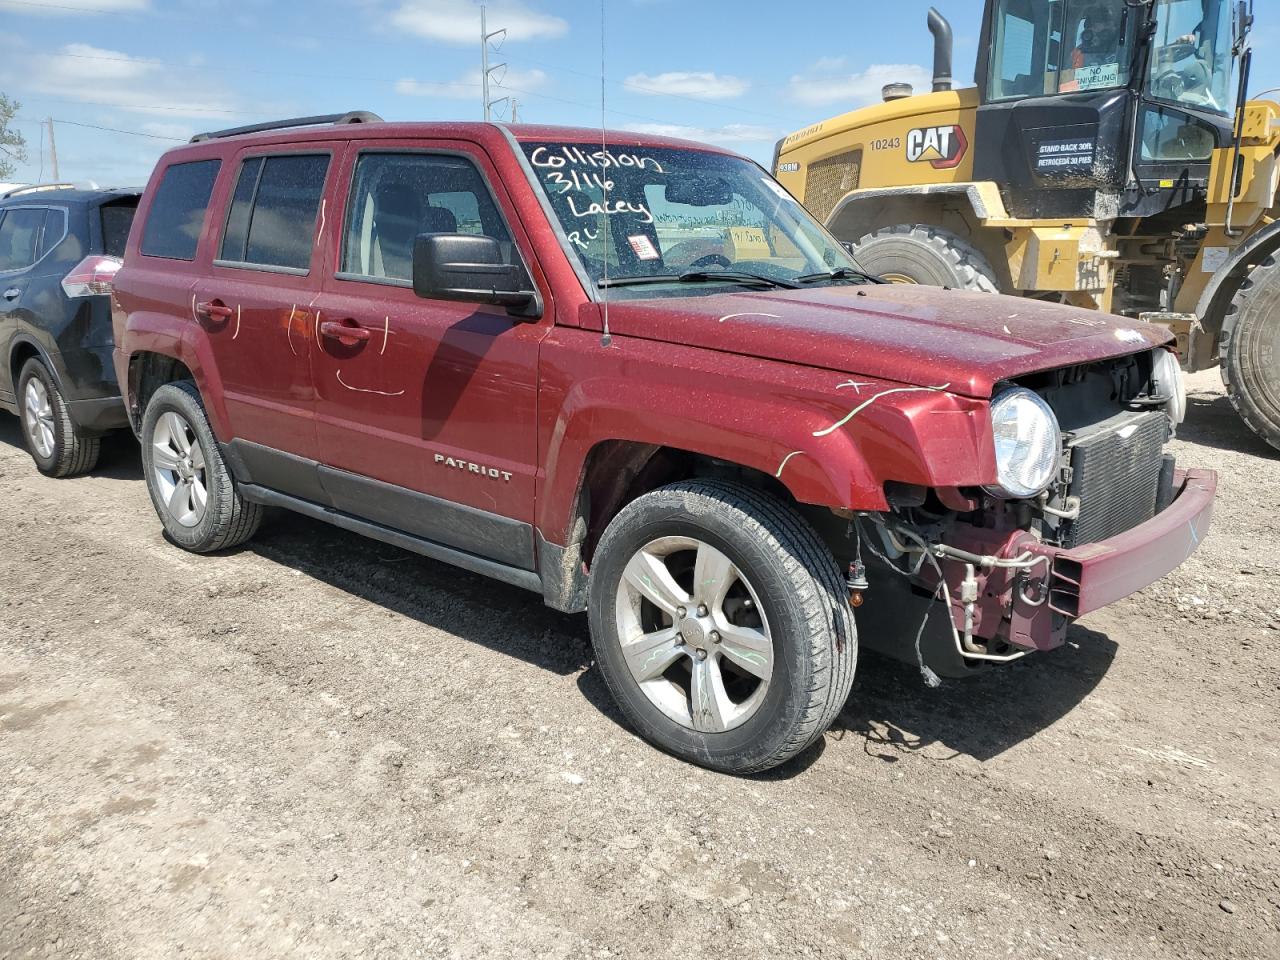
x: 1215, y: 300
x: 24, y: 348
x: 159, y: 344
x: 964, y: 209
x: 615, y: 473
x: 148, y: 371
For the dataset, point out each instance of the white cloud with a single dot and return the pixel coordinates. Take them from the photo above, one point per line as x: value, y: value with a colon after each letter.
x: 58, y: 8
x: 729, y: 134
x: 705, y: 85
x: 108, y: 77
x: 829, y: 82
x: 455, y: 21
x: 468, y: 86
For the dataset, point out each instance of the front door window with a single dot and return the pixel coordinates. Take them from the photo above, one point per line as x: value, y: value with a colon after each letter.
x: 1191, y: 57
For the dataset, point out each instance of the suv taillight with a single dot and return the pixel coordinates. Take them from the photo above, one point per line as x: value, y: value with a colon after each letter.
x: 92, y: 276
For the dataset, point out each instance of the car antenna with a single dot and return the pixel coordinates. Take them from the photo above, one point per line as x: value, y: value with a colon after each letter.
x: 606, y: 338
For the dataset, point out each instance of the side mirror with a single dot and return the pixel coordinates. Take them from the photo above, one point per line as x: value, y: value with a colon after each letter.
x: 460, y: 266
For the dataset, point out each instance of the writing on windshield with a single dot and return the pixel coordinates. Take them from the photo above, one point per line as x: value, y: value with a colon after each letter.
x: 663, y: 212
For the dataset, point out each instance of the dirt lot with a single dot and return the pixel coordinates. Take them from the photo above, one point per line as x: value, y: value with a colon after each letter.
x: 319, y: 746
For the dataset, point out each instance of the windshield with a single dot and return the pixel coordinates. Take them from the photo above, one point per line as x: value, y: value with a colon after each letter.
x: 1191, y: 54
x: 1043, y: 47
x: 662, y: 212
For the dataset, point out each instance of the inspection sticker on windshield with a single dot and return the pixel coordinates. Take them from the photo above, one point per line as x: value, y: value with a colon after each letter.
x: 643, y: 247
x: 1098, y: 76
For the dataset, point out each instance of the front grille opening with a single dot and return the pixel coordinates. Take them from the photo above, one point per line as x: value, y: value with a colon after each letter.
x: 829, y: 179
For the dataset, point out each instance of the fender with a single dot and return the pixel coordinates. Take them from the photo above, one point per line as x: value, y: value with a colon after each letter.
x: 185, y: 341
x: 834, y: 444
x: 54, y: 367
x: 1212, y: 306
x: 982, y: 197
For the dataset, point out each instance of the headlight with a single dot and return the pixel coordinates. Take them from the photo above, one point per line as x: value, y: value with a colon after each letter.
x: 1166, y: 381
x: 1028, y: 443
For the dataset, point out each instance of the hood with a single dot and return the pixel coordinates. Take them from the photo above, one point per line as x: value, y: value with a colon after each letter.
x: 923, y: 336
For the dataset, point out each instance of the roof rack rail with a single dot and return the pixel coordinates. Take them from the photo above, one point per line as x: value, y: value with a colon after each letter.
x: 354, y: 116
x: 42, y: 187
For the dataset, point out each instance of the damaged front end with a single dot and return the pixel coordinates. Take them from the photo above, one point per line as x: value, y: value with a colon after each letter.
x: 1088, y: 508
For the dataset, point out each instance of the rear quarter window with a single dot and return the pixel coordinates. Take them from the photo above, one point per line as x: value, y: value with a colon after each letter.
x: 178, y: 210
x: 117, y: 218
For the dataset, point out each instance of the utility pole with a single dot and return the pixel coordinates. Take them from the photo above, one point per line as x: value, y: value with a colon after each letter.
x: 53, y: 151
x: 487, y: 71
x: 515, y: 110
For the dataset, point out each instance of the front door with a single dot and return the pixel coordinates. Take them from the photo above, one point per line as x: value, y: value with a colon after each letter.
x: 426, y: 409
x: 255, y: 305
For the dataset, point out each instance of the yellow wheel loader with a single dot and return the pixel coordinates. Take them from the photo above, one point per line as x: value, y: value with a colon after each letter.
x: 1107, y: 158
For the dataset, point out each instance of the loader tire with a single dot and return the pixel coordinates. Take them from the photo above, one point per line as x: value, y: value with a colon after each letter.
x: 1250, y: 351
x: 918, y: 253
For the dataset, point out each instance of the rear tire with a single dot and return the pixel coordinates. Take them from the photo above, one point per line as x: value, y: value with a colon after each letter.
x: 53, y: 440
x: 918, y: 253
x: 1250, y: 351
x: 193, y: 491
x: 766, y: 625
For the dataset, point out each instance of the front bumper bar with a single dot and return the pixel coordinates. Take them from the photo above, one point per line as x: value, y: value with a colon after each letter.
x: 1087, y: 578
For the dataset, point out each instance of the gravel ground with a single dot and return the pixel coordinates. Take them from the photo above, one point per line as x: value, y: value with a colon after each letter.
x: 320, y: 746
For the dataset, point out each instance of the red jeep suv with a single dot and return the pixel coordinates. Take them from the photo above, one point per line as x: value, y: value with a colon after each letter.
x: 632, y: 374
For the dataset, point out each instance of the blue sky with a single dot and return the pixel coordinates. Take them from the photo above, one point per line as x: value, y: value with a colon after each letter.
x: 737, y: 73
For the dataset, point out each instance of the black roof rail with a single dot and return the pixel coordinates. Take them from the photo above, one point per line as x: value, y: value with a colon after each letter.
x: 354, y: 116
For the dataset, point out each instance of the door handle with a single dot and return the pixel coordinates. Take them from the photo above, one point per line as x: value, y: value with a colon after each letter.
x: 213, y: 310
x: 13, y: 293
x: 341, y: 331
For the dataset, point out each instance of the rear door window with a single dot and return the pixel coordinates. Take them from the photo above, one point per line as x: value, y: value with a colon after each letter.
x: 178, y: 210
x: 20, y: 232
x: 274, y: 211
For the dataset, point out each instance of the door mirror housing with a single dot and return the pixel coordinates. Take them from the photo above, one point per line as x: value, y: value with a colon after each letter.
x: 469, y: 268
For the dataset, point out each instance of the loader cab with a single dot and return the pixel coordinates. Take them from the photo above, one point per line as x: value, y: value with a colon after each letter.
x: 1104, y: 108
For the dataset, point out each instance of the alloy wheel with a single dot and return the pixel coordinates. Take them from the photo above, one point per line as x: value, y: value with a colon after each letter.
x: 693, y: 634
x: 37, y: 415
x: 178, y: 469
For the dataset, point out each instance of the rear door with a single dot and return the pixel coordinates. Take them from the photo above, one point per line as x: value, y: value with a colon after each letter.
x: 21, y: 231
x: 427, y: 408
x: 255, y: 303
x: 27, y: 233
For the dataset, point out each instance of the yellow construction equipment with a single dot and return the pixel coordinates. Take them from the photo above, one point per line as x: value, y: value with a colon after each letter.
x: 1108, y: 157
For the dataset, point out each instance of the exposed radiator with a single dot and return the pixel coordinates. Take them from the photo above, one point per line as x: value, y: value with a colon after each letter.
x: 1115, y: 469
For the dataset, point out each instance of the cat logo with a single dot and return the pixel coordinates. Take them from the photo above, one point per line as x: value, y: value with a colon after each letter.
x: 942, y: 147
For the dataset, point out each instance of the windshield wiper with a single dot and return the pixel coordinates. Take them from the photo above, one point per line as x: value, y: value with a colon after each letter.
x: 699, y: 276
x: 840, y: 273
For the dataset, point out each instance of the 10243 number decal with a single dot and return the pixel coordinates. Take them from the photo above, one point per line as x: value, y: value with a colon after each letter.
x: 886, y: 143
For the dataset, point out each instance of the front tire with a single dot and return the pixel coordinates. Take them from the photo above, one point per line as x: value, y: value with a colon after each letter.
x: 917, y: 253
x: 1250, y: 351
x: 720, y: 624
x: 53, y: 440
x: 192, y: 489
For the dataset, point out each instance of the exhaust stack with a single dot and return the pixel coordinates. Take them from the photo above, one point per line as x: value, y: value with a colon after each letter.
x: 942, y: 44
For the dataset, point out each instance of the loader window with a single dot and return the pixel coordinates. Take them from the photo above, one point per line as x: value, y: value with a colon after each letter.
x: 1191, y: 58
x: 1045, y: 47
